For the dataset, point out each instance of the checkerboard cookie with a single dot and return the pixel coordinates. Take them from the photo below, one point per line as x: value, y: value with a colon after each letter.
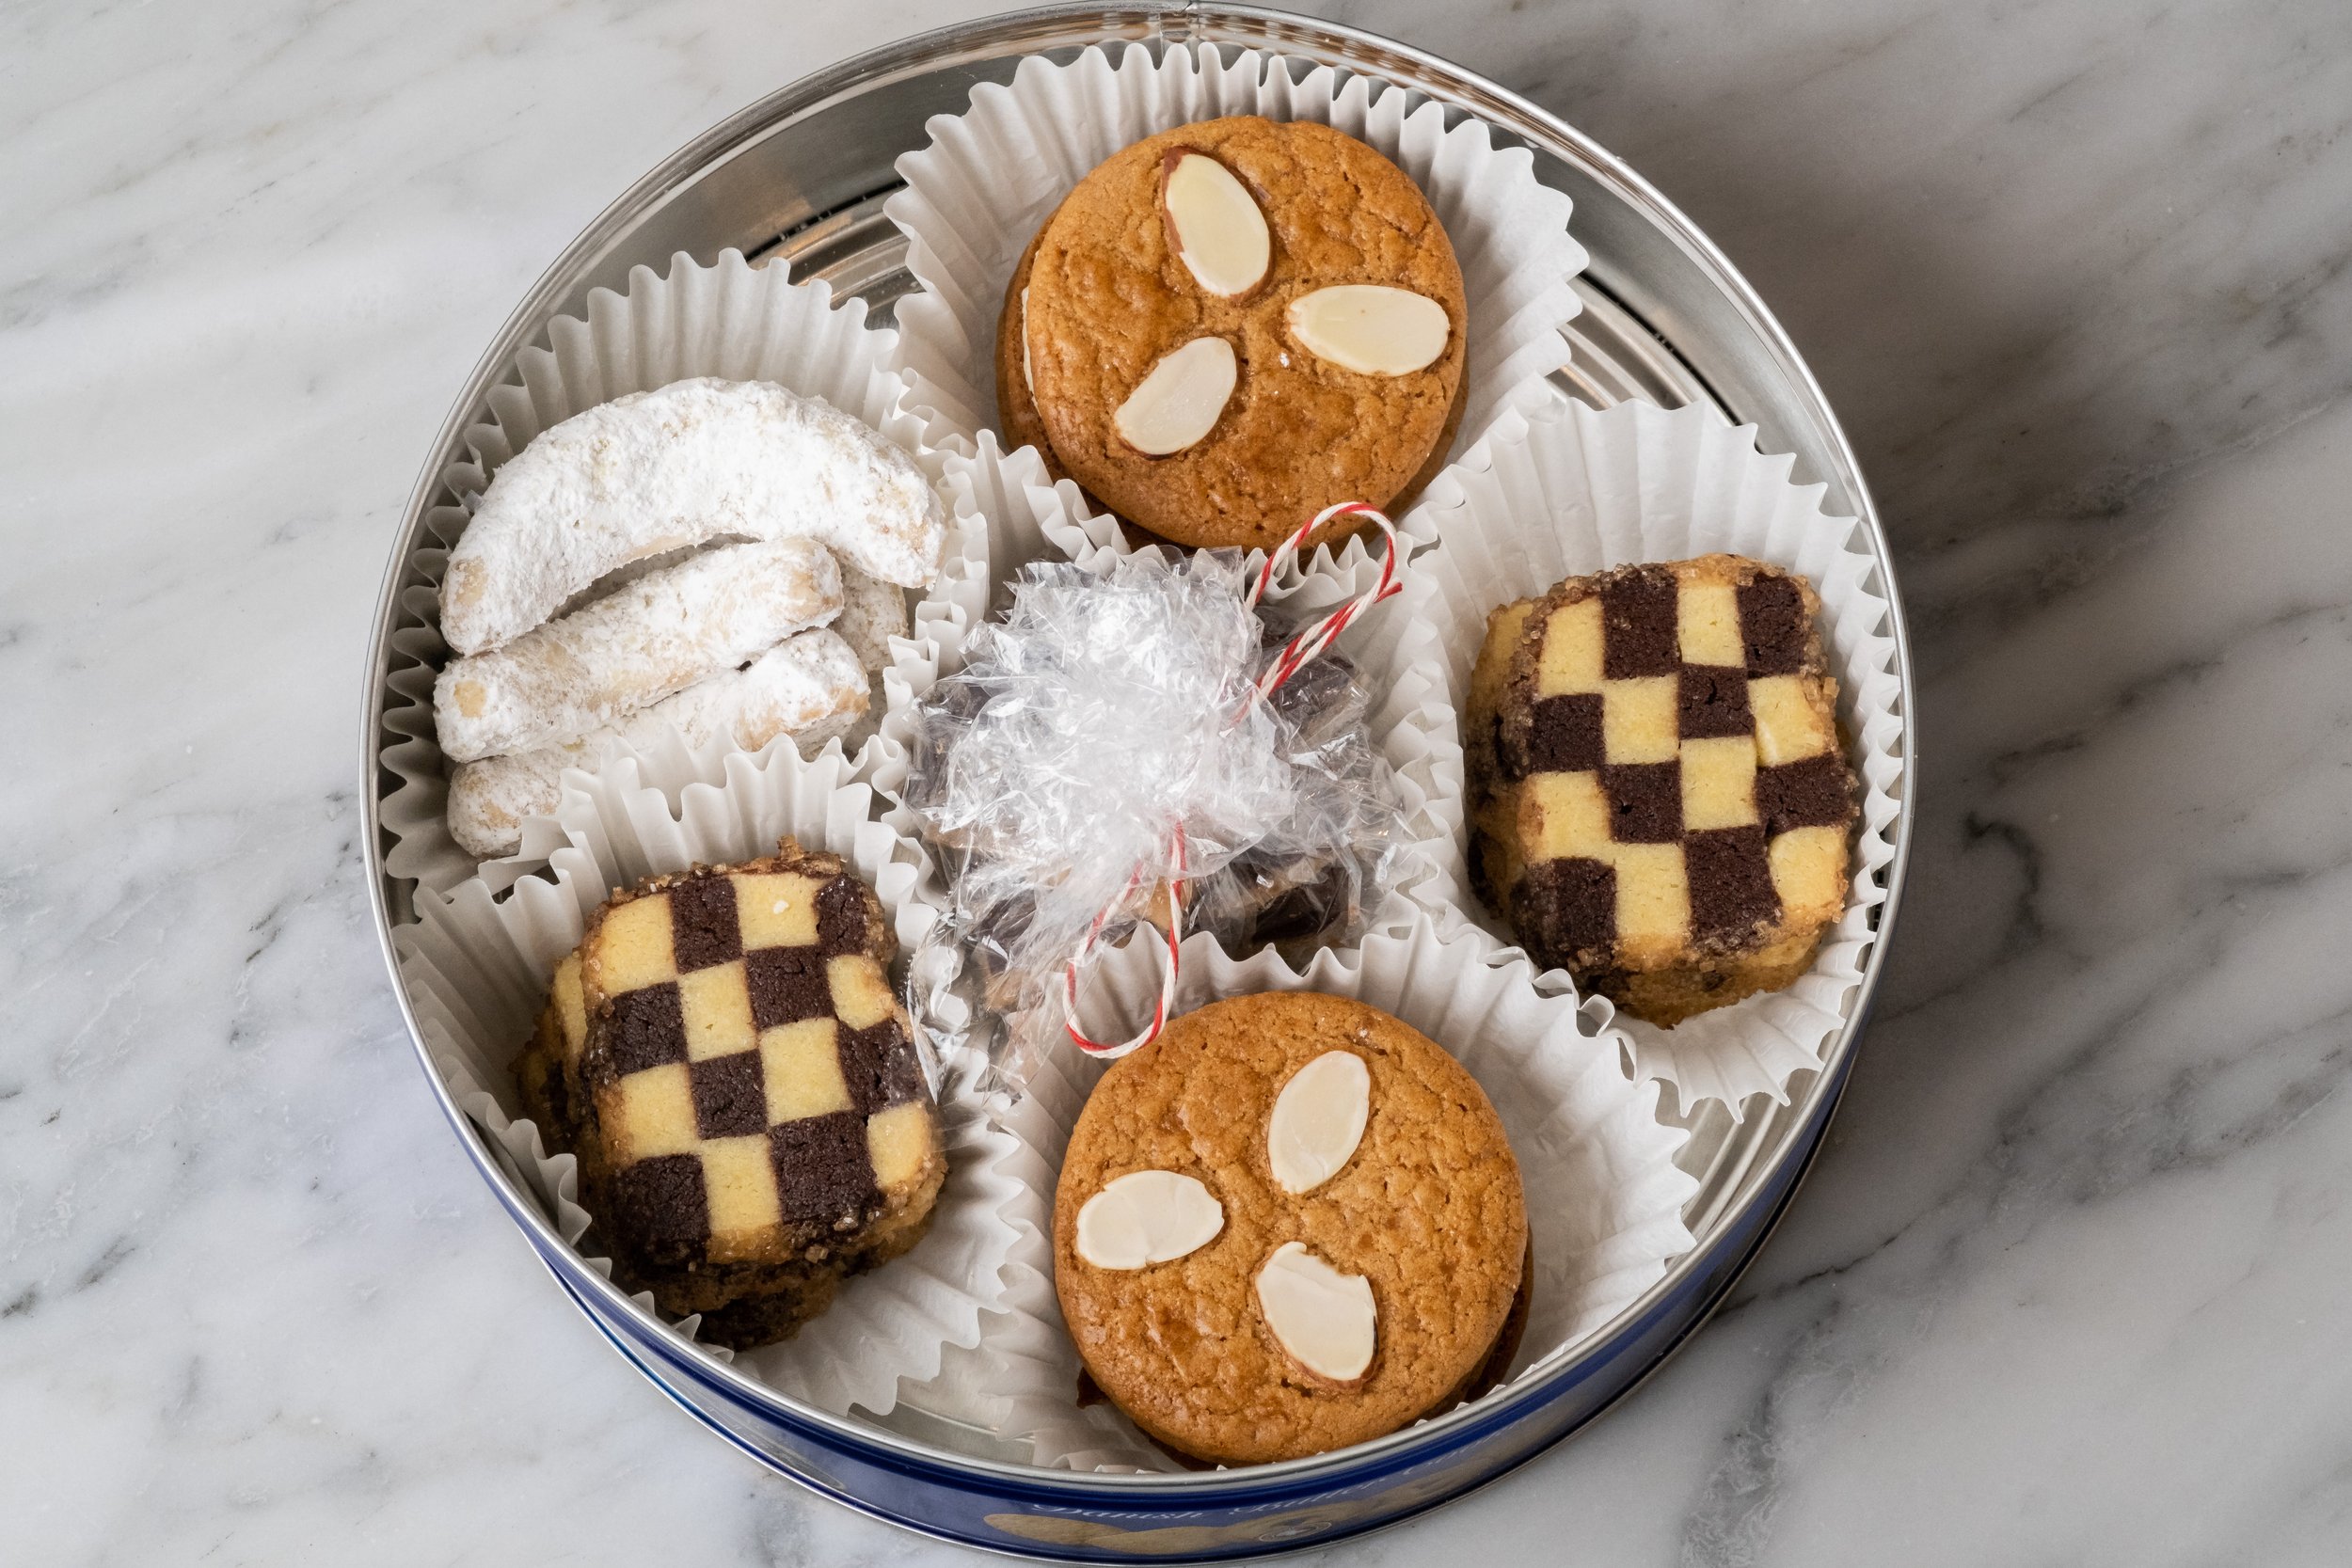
x: 1230, y: 326
x: 1289, y: 1224
x: 726, y: 1057
x: 1658, y: 799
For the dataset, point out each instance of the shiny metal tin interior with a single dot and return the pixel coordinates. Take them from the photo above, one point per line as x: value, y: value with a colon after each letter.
x: 803, y: 174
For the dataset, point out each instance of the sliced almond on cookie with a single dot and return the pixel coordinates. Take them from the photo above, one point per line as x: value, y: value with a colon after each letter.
x: 1179, y: 402
x: 1371, y: 328
x: 1145, y: 1217
x: 1213, y: 224
x: 1324, y: 1317
x: 1318, y: 1120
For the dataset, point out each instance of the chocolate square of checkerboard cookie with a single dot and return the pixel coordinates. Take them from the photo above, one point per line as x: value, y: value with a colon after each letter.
x: 1659, y: 800
x: 757, y: 1125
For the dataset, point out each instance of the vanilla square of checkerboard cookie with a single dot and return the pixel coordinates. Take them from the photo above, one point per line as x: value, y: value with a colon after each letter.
x: 726, y: 1054
x: 1659, y: 800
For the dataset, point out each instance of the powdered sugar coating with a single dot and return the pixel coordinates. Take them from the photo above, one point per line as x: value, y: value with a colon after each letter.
x: 872, y: 612
x: 655, y: 636
x: 810, y: 687
x: 696, y: 460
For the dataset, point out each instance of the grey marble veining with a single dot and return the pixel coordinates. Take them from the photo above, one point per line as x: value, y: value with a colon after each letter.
x: 2068, y: 1285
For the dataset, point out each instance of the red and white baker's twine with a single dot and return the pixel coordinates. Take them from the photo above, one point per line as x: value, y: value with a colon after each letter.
x: 1295, y: 656
x: 1093, y: 939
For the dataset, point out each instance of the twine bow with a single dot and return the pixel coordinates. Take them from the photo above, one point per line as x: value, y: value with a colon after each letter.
x: 1295, y: 655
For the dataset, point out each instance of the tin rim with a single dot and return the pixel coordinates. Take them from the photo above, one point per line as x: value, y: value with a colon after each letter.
x: 1066, y: 26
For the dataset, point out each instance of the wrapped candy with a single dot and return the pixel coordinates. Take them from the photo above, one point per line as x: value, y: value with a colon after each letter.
x: 1138, y: 746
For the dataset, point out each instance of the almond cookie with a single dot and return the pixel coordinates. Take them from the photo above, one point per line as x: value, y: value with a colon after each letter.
x: 1290, y: 1223
x: 1230, y: 326
x: 1016, y: 405
x: 741, y: 1088
x: 1659, y: 800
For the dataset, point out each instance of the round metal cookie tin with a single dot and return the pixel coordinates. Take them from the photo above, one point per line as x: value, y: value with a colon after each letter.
x: 803, y: 174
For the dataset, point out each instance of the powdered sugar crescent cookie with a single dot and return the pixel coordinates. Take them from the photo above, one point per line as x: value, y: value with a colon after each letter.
x: 654, y: 637
x: 872, y: 612
x: 1230, y: 326
x: 693, y: 461
x: 810, y: 687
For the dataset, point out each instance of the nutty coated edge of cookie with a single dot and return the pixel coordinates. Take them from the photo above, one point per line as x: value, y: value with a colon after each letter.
x: 882, y: 944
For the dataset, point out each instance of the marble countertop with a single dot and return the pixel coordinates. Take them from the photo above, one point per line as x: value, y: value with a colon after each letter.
x: 2067, y: 1286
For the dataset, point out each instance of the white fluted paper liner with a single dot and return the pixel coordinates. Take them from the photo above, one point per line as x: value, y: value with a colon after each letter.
x: 477, y: 968
x: 1401, y: 659
x: 729, y: 320
x: 1555, y: 490
x: 1604, y: 1196
x: 993, y: 174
